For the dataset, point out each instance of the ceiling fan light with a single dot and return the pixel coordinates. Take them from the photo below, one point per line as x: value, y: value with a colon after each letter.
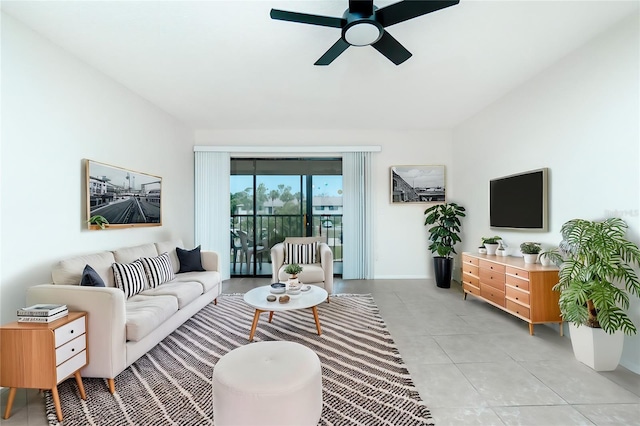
x: 362, y: 34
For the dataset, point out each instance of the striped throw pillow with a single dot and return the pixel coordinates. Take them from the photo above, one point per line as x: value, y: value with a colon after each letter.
x: 158, y: 269
x: 129, y: 277
x: 300, y: 253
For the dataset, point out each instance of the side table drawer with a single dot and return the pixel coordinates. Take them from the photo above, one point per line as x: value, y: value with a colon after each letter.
x: 72, y: 365
x: 69, y: 331
x: 70, y: 349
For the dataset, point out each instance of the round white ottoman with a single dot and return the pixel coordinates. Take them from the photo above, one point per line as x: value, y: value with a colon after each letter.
x: 268, y: 383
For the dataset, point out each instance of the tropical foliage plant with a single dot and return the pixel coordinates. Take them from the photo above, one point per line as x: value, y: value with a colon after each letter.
x: 443, y: 235
x: 596, y: 274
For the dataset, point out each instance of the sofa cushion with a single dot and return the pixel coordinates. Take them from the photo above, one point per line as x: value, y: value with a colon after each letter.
x: 69, y: 271
x: 183, y: 292
x: 90, y: 278
x: 301, y: 253
x: 130, y: 254
x: 310, y: 274
x: 130, y: 277
x: 170, y: 247
x: 208, y: 279
x: 158, y: 269
x: 146, y: 313
x: 190, y: 260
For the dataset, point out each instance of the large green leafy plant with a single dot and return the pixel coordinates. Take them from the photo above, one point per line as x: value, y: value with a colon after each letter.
x: 443, y: 235
x: 596, y: 274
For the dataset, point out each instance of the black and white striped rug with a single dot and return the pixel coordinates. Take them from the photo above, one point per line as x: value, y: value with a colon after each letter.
x: 365, y: 381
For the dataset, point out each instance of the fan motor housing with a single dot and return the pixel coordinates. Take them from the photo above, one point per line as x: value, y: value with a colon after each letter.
x: 361, y: 30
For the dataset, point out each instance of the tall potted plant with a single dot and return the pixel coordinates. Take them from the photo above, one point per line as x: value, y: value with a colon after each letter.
x: 443, y: 235
x: 595, y: 279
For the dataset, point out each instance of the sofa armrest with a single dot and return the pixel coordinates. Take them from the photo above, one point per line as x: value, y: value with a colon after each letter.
x: 277, y: 260
x: 210, y: 260
x: 106, y: 318
x: 326, y: 260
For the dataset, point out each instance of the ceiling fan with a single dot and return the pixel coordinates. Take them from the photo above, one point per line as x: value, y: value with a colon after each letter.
x: 363, y: 24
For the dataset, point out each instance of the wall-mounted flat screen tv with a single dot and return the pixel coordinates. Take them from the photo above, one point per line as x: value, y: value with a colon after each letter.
x: 519, y: 201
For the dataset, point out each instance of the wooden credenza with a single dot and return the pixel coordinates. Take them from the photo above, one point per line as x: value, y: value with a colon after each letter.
x: 521, y: 289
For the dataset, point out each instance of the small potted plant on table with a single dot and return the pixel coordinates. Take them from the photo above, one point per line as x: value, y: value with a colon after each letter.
x: 530, y: 251
x: 98, y: 220
x: 293, y: 269
x: 491, y: 244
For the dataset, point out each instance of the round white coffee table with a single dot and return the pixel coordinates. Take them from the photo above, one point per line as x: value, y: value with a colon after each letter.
x: 257, y: 298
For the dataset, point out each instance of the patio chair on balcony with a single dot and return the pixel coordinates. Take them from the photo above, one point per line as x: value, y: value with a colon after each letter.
x: 248, y: 251
x: 235, y: 248
x: 317, y: 271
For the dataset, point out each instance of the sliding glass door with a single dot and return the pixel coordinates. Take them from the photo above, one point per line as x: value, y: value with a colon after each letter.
x: 272, y: 199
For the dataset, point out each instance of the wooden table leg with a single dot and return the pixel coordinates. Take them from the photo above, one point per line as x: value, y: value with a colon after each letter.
x: 83, y: 395
x: 315, y: 316
x: 256, y: 316
x: 12, y: 396
x: 561, y: 329
x: 531, y: 329
x: 56, y: 402
x: 270, y: 316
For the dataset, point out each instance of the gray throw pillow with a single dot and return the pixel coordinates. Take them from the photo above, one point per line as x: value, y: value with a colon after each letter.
x: 190, y: 260
x: 90, y: 278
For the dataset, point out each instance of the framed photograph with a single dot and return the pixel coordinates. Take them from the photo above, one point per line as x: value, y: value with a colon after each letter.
x: 417, y: 184
x: 123, y: 197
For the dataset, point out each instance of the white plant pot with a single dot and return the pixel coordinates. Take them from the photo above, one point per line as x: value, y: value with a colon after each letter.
x: 501, y: 252
x: 544, y: 259
x: 595, y: 348
x: 491, y: 248
x: 530, y: 258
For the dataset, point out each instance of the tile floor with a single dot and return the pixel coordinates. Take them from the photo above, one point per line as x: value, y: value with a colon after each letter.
x: 472, y: 363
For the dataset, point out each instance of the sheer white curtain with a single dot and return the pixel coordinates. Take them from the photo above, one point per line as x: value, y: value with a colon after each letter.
x: 212, y: 205
x: 357, y: 219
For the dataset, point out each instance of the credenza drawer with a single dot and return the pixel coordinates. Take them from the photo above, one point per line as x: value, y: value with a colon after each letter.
x: 466, y: 260
x: 471, y: 288
x: 492, y: 294
x: 517, y: 282
x: 517, y: 295
x: 471, y: 280
x: 484, y: 264
x: 470, y: 269
x: 517, y: 272
x: 516, y: 308
x: 494, y: 279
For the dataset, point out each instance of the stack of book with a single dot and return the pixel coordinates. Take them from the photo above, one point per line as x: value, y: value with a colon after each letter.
x: 42, y: 313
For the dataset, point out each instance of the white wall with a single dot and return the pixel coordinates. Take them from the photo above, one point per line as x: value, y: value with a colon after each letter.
x: 56, y: 111
x: 579, y: 118
x: 401, y: 239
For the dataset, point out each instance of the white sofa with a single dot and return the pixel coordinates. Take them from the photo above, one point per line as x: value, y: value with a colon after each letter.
x: 122, y: 329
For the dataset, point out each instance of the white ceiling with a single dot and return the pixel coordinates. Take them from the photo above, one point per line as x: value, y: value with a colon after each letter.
x: 226, y: 64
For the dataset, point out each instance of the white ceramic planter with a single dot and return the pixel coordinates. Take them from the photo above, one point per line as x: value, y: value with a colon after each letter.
x: 491, y: 248
x: 595, y: 348
x: 544, y: 259
x: 530, y: 258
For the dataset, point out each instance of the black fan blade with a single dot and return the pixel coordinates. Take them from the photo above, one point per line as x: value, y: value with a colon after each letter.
x: 333, y: 52
x: 392, y: 49
x: 405, y: 10
x: 305, y: 18
x: 361, y: 7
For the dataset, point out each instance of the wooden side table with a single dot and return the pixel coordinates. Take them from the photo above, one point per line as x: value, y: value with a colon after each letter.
x: 41, y: 355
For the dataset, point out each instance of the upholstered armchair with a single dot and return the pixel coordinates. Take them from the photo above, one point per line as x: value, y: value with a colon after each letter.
x: 317, y: 271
